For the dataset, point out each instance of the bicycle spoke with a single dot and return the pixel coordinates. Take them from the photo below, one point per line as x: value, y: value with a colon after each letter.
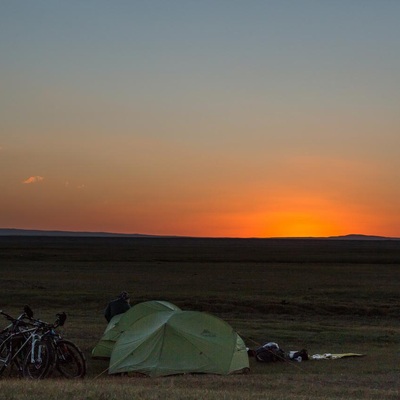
x: 38, y: 364
x: 71, y: 362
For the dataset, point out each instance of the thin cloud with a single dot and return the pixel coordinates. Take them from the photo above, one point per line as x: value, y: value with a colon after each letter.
x: 33, y: 179
x: 69, y: 185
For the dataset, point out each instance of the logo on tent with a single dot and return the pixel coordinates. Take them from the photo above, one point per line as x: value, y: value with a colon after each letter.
x: 207, y: 333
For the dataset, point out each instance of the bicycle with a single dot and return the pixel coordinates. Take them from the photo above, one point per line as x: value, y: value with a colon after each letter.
x: 68, y: 359
x: 22, y: 346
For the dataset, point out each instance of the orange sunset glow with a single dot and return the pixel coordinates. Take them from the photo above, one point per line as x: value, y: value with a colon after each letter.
x: 217, y: 119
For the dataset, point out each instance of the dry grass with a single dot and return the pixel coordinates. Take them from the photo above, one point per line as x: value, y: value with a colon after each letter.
x: 285, y: 386
x: 326, y: 296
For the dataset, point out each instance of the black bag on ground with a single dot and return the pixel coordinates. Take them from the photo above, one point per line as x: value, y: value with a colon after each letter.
x: 301, y: 355
x: 269, y: 352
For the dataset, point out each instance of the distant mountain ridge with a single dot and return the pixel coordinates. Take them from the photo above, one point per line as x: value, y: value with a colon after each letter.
x: 36, y: 232
x: 362, y: 237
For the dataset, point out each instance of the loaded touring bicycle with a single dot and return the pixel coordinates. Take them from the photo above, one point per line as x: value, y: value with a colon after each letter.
x: 35, y: 349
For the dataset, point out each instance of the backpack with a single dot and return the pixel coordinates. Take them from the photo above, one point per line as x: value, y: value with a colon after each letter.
x: 269, y: 352
x: 299, y: 356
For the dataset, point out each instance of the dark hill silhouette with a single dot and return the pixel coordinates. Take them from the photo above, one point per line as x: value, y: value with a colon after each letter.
x: 361, y: 237
x: 33, y: 232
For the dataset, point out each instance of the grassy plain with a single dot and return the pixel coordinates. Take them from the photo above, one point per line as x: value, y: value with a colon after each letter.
x: 328, y: 296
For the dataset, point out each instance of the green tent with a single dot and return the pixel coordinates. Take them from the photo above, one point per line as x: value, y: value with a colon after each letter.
x: 121, y: 322
x: 171, y: 341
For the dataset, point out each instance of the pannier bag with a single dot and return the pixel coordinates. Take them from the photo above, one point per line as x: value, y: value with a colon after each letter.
x: 269, y: 352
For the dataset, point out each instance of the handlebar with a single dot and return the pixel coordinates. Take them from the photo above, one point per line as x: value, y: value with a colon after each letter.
x: 9, y: 317
x: 61, y: 318
x: 58, y: 322
x: 12, y: 319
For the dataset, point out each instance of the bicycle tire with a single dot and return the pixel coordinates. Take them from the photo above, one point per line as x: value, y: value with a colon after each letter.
x: 39, y: 368
x: 12, y: 356
x: 70, y: 361
x: 4, y: 355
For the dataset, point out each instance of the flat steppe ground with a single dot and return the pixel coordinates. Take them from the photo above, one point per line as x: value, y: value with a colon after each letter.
x: 324, y: 295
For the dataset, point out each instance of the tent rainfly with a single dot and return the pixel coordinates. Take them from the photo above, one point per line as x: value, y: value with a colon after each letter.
x: 157, y: 338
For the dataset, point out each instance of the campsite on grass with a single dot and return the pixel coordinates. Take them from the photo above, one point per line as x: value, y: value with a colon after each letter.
x: 338, y: 300
x: 156, y: 338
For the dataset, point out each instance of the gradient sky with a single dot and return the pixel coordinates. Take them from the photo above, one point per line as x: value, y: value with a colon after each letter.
x: 203, y: 118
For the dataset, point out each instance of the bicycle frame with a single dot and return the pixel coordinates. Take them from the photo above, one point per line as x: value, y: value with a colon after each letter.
x: 36, y: 348
x: 36, y: 338
x: 33, y: 337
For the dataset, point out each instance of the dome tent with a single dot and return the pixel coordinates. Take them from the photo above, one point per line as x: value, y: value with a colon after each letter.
x: 172, y: 341
x: 121, y: 322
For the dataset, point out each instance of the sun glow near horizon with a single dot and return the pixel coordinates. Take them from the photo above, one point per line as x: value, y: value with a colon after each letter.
x: 299, y: 224
x: 252, y: 213
x: 217, y: 119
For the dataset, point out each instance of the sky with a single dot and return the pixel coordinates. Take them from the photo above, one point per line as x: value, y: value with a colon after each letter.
x: 217, y: 118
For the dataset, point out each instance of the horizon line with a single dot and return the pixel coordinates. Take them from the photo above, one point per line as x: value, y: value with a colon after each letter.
x: 56, y: 232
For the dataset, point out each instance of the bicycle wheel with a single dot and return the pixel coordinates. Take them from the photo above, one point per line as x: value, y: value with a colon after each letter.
x: 5, y: 356
x: 38, y: 365
x: 70, y: 361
